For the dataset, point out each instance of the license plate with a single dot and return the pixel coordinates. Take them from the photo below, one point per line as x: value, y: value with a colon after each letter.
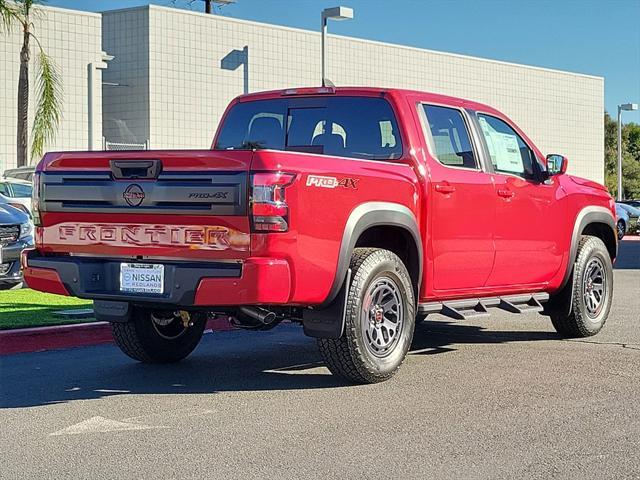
x: 141, y: 278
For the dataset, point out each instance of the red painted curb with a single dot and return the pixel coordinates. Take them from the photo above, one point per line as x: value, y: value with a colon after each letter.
x: 27, y: 340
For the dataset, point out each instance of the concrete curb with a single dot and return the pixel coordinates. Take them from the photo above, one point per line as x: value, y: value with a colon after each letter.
x: 27, y: 340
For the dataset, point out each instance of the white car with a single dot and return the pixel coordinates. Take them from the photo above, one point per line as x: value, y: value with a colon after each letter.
x: 20, y: 173
x: 16, y: 193
x: 633, y: 212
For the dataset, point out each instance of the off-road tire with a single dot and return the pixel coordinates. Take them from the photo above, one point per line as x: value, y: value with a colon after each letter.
x: 621, y: 229
x: 349, y: 356
x: 140, y: 340
x: 580, y: 322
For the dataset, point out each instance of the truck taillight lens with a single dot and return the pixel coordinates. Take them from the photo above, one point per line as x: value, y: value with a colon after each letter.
x: 269, y: 209
x: 35, y: 200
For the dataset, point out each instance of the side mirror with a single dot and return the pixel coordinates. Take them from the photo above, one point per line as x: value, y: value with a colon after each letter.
x: 556, y: 164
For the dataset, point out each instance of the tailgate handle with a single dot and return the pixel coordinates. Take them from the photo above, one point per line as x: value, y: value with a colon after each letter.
x: 135, y: 169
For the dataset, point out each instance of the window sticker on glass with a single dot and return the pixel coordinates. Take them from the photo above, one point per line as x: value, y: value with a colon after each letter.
x: 386, y: 134
x: 503, y: 148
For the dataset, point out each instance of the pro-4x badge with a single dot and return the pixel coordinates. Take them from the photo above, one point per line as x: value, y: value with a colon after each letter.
x: 331, y: 182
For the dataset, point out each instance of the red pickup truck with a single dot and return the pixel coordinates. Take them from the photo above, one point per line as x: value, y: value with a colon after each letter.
x: 352, y: 211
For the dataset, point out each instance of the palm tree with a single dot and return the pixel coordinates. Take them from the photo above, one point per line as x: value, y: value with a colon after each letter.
x: 48, y: 83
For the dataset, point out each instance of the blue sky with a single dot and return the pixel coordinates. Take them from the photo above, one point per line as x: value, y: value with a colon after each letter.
x: 597, y: 37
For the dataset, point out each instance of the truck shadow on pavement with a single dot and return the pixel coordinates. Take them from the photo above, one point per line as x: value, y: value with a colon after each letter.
x: 282, y: 359
x: 628, y: 254
x: 439, y: 336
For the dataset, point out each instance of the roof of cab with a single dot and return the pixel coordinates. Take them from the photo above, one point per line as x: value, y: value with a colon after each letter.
x: 394, y: 92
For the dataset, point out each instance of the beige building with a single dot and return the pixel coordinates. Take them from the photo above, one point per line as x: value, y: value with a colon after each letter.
x: 73, y: 40
x: 174, y: 72
x: 182, y: 68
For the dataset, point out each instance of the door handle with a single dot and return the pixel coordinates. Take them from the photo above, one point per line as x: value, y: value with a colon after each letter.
x: 505, y: 193
x: 445, y: 187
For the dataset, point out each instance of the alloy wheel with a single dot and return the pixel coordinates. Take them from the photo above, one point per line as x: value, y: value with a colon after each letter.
x: 382, y: 316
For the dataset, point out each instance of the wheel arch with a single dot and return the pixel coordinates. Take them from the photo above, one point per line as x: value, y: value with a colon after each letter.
x: 374, y: 224
x: 595, y: 221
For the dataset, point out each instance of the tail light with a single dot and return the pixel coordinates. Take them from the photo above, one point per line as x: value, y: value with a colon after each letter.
x: 35, y: 200
x: 269, y: 209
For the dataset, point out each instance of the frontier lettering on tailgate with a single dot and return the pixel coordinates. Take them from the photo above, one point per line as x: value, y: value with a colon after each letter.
x: 208, y: 237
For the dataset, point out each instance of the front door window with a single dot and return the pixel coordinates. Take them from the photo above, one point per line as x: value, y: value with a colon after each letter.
x: 509, y: 153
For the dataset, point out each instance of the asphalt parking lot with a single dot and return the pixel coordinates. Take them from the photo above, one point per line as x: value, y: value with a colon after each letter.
x: 502, y: 397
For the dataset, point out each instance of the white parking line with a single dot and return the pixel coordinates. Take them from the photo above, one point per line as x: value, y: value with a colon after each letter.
x: 101, y: 425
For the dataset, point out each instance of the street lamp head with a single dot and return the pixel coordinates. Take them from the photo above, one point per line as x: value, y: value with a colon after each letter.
x: 629, y: 106
x: 337, y: 13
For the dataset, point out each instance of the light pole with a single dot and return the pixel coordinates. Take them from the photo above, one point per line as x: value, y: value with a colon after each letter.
x: 208, y: 4
x: 626, y: 107
x: 335, y: 13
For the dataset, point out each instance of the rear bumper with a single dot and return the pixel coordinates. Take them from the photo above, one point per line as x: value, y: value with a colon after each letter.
x: 251, y: 282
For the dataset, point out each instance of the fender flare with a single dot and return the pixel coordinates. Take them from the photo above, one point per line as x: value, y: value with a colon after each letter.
x: 364, y: 216
x: 591, y: 214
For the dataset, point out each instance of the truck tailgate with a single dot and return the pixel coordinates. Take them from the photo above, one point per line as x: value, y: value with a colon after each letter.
x: 190, y: 205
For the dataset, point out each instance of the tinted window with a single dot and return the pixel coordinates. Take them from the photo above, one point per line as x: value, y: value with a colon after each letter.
x: 358, y: 127
x: 21, y: 191
x: 450, y: 137
x: 509, y: 154
x: 254, y: 125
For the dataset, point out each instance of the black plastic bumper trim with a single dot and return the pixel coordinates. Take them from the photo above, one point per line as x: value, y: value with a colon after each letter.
x: 99, y: 279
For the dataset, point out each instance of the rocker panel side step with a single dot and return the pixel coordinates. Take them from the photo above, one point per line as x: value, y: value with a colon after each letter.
x: 479, y: 307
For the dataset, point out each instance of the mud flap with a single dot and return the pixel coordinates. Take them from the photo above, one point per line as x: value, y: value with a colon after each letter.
x: 329, y: 321
x: 561, y: 302
x: 110, y: 311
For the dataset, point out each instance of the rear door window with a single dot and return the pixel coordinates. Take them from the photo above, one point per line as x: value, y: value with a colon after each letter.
x: 356, y: 127
x: 450, y: 137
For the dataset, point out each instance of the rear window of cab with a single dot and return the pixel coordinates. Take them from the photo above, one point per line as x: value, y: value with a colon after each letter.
x: 355, y: 127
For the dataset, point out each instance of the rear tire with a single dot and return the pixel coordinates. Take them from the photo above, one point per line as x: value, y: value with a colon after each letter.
x: 380, y: 319
x: 592, y: 291
x: 158, y: 336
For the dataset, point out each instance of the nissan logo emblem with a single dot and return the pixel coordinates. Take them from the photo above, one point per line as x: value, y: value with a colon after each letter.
x: 133, y: 195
